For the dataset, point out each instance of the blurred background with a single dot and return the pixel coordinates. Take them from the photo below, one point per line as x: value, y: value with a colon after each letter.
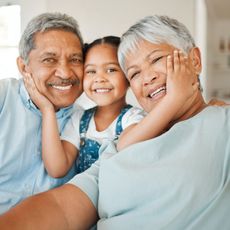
x: 207, y: 20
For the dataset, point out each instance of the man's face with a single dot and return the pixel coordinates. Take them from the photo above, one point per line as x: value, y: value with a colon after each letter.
x: 56, y: 66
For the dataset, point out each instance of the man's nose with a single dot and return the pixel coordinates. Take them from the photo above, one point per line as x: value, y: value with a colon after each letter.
x: 64, y: 70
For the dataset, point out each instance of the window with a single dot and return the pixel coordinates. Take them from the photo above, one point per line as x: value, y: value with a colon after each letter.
x: 9, y: 38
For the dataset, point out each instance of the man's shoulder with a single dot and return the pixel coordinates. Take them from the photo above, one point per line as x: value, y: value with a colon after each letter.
x: 9, y: 81
x: 8, y: 84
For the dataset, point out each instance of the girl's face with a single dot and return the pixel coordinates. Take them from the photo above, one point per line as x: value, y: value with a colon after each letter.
x: 104, y: 81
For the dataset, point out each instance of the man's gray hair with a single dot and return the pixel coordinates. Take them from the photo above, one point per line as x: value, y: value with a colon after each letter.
x: 42, y: 23
x: 155, y: 29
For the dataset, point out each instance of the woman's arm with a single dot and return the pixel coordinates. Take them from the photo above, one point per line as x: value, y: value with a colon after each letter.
x: 58, y: 156
x: 63, y: 208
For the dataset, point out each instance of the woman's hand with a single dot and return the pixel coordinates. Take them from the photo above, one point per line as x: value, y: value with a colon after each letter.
x: 217, y: 102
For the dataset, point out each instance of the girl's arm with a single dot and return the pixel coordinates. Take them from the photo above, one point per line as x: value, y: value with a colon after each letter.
x: 58, y: 156
x: 180, y: 87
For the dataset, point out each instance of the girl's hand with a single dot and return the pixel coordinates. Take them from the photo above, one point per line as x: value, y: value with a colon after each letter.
x: 181, y: 82
x: 217, y: 102
x: 39, y: 100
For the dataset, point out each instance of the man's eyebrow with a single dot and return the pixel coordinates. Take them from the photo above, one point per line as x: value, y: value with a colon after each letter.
x: 51, y: 54
x: 76, y: 55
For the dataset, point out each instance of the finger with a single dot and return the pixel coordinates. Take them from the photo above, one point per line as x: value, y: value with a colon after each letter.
x: 176, y: 62
x: 196, y: 86
x: 169, y: 65
x: 182, y: 61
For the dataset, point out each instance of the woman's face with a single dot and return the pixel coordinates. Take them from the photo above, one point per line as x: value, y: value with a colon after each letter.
x: 146, y: 71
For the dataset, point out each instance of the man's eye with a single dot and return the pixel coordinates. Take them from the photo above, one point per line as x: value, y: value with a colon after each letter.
x: 49, y: 60
x: 76, y: 61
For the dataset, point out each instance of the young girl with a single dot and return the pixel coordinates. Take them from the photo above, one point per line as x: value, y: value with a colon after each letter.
x: 105, y: 84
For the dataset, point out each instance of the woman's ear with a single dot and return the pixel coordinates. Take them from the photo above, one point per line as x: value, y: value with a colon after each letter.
x: 195, y: 58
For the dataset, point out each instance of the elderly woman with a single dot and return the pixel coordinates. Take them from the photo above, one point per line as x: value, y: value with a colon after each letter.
x: 178, y: 180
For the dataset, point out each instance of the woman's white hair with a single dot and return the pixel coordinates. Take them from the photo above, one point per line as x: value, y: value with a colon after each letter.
x: 155, y: 29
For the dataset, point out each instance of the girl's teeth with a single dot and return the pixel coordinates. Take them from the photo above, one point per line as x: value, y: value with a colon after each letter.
x: 102, y: 90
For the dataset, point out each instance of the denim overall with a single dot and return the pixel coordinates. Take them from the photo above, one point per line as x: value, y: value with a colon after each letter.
x: 88, y: 153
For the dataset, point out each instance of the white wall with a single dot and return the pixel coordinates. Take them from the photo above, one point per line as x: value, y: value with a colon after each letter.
x: 106, y: 17
x: 219, y: 59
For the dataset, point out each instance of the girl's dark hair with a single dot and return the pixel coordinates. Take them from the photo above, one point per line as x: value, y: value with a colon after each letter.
x: 110, y: 40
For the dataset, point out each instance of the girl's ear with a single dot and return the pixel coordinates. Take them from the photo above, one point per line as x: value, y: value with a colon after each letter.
x: 195, y: 58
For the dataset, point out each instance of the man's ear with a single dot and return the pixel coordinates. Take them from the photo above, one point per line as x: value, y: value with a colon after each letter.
x: 22, y: 67
x: 195, y: 58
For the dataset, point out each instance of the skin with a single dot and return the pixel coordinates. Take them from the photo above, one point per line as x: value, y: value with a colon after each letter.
x: 102, y: 72
x: 67, y: 207
x: 56, y: 66
x: 163, y: 80
x: 146, y: 71
x: 105, y: 83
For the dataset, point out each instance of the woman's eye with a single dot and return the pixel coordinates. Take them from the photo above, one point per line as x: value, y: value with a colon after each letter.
x: 90, y: 71
x: 134, y: 75
x: 156, y: 59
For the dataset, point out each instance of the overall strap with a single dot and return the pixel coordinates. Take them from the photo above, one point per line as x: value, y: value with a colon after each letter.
x: 85, y: 119
x: 119, y: 128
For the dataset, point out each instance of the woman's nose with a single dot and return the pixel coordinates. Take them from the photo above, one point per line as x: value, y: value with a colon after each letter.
x: 149, y: 77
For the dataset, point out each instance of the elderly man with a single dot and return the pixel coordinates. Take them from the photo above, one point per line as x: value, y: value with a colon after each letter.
x: 51, y: 52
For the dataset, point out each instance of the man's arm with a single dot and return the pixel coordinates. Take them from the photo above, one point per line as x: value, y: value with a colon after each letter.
x: 63, y: 208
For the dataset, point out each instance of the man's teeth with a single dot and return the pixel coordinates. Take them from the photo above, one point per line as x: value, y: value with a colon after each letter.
x: 102, y: 90
x: 66, y: 87
x: 157, y: 91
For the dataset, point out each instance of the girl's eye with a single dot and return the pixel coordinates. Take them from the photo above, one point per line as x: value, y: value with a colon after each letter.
x: 90, y: 72
x: 111, y: 70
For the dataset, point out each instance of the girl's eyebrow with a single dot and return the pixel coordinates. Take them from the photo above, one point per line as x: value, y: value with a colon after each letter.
x: 106, y: 63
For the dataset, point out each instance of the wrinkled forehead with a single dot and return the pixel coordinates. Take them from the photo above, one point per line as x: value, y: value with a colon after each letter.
x: 143, y: 50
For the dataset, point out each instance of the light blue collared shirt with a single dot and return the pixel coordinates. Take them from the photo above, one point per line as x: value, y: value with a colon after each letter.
x: 22, y: 171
